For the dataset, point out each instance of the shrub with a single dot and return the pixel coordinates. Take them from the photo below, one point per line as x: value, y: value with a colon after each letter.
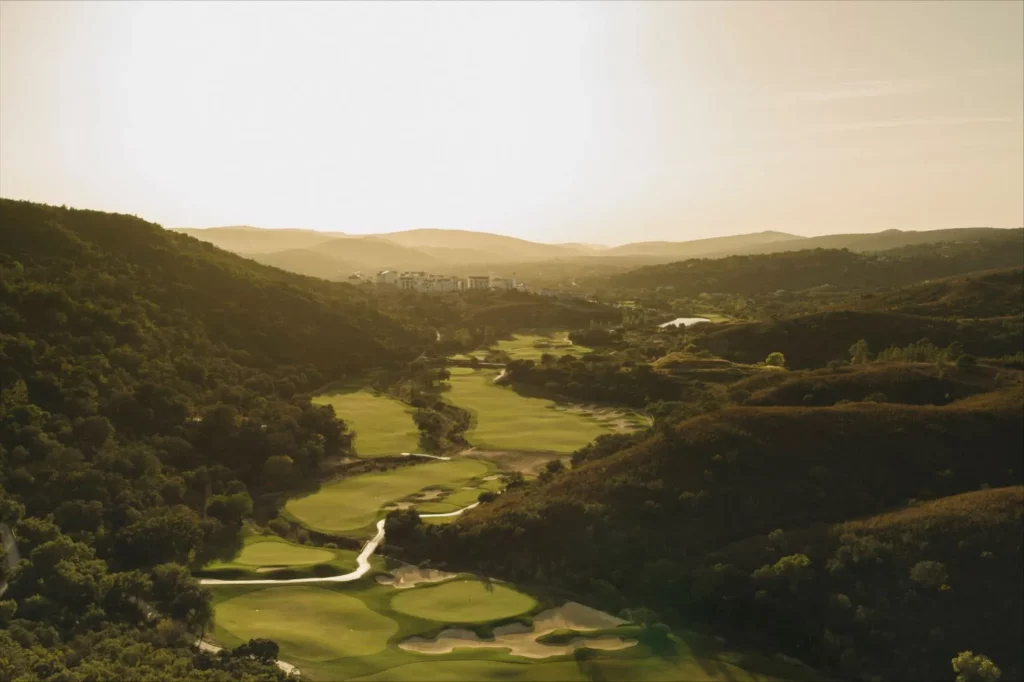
x: 971, y: 667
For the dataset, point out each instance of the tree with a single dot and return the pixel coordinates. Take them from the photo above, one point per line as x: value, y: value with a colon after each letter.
x: 972, y: 667
x: 279, y: 468
x: 263, y: 650
x: 966, y: 361
x: 930, y: 574
x: 775, y: 359
x: 859, y: 353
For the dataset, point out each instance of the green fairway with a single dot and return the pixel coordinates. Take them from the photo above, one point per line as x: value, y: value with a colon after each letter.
x: 505, y: 420
x: 355, y: 503
x: 532, y: 346
x: 271, y: 551
x: 310, y: 623
x: 268, y: 556
x: 653, y: 669
x: 462, y: 601
x: 383, y: 425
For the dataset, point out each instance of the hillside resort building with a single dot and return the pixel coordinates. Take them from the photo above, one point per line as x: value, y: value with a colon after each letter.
x: 424, y: 281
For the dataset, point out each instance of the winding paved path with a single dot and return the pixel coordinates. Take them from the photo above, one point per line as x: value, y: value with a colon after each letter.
x: 362, y: 561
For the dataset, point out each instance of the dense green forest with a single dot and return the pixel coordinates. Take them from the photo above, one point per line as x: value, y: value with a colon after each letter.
x: 152, y: 391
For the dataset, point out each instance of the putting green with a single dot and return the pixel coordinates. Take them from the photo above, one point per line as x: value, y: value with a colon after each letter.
x: 307, y: 622
x: 270, y: 551
x: 462, y: 601
x: 383, y: 425
x: 354, y: 503
x: 505, y: 420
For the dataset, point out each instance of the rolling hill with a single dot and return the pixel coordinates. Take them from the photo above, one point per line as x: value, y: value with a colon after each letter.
x: 186, y: 284
x: 462, y: 252
x: 796, y: 529
x: 714, y: 246
x: 249, y: 240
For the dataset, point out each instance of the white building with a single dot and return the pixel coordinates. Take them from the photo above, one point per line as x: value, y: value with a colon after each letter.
x: 387, y: 277
x: 478, y: 282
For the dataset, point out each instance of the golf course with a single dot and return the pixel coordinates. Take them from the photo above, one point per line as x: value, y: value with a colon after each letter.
x: 506, y: 420
x: 355, y: 504
x: 268, y: 556
x: 339, y: 614
x: 533, y: 346
x: 382, y: 424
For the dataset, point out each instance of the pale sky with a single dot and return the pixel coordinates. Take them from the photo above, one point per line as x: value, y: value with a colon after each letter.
x: 553, y: 121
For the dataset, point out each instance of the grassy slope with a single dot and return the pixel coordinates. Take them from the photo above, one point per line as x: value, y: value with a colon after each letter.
x: 383, y: 425
x: 354, y: 504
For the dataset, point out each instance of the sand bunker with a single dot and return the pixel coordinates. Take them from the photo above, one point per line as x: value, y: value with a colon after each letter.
x: 521, y: 640
x: 410, y: 576
x: 427, y: 495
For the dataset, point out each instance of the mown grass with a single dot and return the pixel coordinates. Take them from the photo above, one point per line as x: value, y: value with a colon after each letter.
x: 533, y: 346
x: 463, y: 601
x: 383, y: 425
x: 506, y: 420
x: 297, y: 620
x: 308, y: 622
x: 268, y: 556
x: 355, y: 504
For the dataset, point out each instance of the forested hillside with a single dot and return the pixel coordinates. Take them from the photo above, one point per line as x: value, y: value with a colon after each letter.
x: 659, y: 522
x: 839, y: 269
x: 151, y: 394
x: 814, y: 340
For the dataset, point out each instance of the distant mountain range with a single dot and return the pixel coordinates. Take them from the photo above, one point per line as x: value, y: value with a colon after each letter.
x: 335, y: 255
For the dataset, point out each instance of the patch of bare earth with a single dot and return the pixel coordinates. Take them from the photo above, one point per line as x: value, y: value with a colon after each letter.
x: 410, y: 576
x: 521, y: 640
x: 526, y: 463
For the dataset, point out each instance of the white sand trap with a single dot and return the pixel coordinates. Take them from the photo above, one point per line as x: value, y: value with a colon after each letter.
x: 521, y: 640
x: 410, y: 576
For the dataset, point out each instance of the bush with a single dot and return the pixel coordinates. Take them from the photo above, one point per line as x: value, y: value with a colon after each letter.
x: 971, y: 667
x: 930, y: 574
x: 775, y: 359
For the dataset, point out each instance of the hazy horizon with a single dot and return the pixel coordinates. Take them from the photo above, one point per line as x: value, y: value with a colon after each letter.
x: 600, y: 123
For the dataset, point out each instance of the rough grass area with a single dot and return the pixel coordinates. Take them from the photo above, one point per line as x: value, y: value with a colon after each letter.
x: 268, y: 556
x: 356, y: 503
x: 383, y: 425
x: 505, y: 420
x: 463, y: 601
